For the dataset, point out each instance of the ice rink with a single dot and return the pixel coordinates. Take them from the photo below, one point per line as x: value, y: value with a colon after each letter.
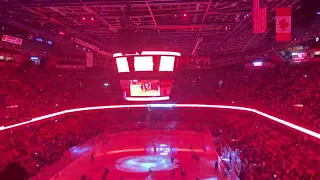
x: 131, y: 155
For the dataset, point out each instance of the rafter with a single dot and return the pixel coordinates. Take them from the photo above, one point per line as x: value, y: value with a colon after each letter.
x: 203, y: 27
x: 151, y: 13
x: 89, y: 9
x: 56, y: 21
x: 200, y: 29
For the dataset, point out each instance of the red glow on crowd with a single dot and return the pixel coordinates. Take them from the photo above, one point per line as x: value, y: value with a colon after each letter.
x: 159, y: 86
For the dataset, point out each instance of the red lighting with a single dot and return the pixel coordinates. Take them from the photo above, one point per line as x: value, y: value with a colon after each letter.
x: 148, y: 98
x: 283, y: 122
x: 61, y: 33
x: 83, y: 18
x: 92, y: 19
x: 148, y: 53
x: 185, y: 15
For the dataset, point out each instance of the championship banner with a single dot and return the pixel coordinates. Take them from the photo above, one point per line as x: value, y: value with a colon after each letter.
x: 259, y: 12
x: 11, y: 39
x: 283, y: 24
x: 89, y: 59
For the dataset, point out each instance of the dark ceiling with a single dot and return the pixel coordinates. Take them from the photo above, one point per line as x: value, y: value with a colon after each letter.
x: 191, y: 27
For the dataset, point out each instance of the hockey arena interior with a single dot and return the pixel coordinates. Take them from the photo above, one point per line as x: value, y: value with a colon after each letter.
x: 159, y: 89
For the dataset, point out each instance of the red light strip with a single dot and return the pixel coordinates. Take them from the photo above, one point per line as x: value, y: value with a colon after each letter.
x: 291, y: 125
x: 143, y: 149
x: 147, y: 98
x: 117, y: 55
x: 153, y: 53
x: 70, y: 111
x: 165, y: 53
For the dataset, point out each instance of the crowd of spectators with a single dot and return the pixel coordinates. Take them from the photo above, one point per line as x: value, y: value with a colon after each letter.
x: 267, y: 150
x: 290, y: 92
x: 29, y: 92
x: 39, y: 145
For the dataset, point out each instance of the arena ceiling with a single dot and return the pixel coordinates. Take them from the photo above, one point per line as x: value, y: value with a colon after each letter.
x: 192, y: 27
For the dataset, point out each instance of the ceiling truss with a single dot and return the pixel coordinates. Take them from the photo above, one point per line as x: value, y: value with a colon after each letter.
x: 206, y: 26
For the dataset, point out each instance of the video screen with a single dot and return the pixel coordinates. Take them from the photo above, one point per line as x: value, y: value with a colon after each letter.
x: 167, y: 63
x: 122, y: 64
x: 144, y: 88
x: 143, y: 63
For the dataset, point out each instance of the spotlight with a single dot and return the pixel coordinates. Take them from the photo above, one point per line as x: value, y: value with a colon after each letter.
x: 92, y: 19
x: 185, y: 14
x: 83, y: 18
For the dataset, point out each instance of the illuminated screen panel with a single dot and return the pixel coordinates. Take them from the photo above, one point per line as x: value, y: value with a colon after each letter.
x: 163, y: 98
x: 122, y: 64
x: 257, y: 64
x: 142, y: 88
x: 165, y: 53
x: 143, y: 63
x: 166, y: 63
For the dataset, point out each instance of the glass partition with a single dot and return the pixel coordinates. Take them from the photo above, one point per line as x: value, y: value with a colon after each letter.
x: 248, y: 144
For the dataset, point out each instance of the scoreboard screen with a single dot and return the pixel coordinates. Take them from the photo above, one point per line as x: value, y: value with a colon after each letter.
x: 144, y: 88
x: 146, y: 76
x: 147, y: 61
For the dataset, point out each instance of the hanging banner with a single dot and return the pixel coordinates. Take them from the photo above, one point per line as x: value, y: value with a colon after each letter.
x: 89, y: 59
x: 11, y: 39
x: 283, y: 24
x: 259, y: 16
